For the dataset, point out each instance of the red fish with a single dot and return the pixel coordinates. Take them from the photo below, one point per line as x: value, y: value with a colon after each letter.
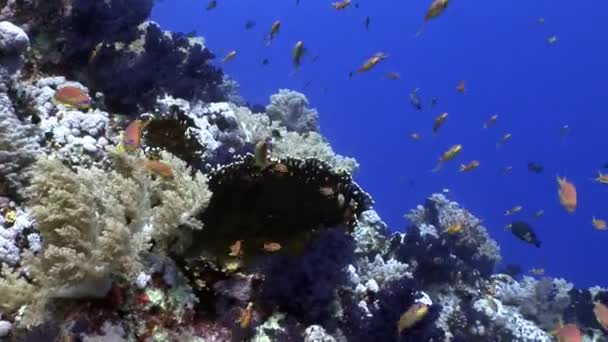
x: 73, y: 96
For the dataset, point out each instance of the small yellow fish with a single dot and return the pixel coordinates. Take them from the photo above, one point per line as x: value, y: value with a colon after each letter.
x: 448, y: 155
x: 245, y: 318
x: 539, y: 213
x: 472, y: 165
x: 415, y: 136
x: 437, y: 7
x: 272, y: 246
x: 370, y: 63
x: 506, y: 170
x: 514, y: 210
x: 297, y: 53
x: 411, y: 316
x: 538, y: 271
x: 439, y: 121
x: 341, y: 4
x: 229, y: 56
x: 490, y: 121
x: 598, y: 224
x: 504, y: 139
x: 455, y: 228
x: 602, y: 177
x: 274, y: 30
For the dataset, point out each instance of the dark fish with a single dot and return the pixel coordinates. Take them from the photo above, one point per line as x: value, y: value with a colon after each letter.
x: 265, y: 61
x: 307, y: 84
x: 356, y: 5
x: 524, y: 232
x: 315, y: 58
x: 350, y: 75
x: 605, y: 166
x: 249, y: 24
x: 191, y: 34
x: 212, y: 4
x: 35, y: 119
x: 415, y: 99
x: 535, y: 167
x: 434, y: 102
x: 512, y: 269
x: 297, y: 2
x: 367, y: 22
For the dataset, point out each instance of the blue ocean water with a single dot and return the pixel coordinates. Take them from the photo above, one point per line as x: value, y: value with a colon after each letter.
x: 501, y: 51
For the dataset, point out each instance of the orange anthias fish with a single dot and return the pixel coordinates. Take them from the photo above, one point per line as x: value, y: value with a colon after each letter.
x: 272, y: 246
x: 158, y: 167
x: 370, y: 63
x: 439, y: 121
x: 567, y: 194
x: 393, y: 76
x: 340, y: 5
x: 245, y: 318
x: 472, y: 165
x: 73, y: 96
x: 568, y: 333
x: 413, y: 315
x: 461, y: 88
x: 437, y: 7
x: 490, y: 121
x: 274, y: 30
x: 448, y: 155
x: 598, y: 224
x: 229, y: 56
x: 601, y: 314
x: 236, y: 248
x: 131, y: 139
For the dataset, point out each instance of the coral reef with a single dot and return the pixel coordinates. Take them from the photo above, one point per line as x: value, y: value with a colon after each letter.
x: 290, y: 108
x: 228, y: 222
x: 110, y: 46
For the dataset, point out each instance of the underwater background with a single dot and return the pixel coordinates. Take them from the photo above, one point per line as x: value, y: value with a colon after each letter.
x: 350, y: 171
x: 502, y: 52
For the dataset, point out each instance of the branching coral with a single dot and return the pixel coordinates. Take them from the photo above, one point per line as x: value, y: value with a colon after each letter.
x: 376, y: 318
x: 255, y: 127
x: 463, y: 256
x: 291, y: 109
x: 18, y: 146
x: 542, y: 301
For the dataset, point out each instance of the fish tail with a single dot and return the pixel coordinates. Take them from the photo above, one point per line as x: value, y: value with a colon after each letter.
x: 420, y: 30
x: 438, y: 167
